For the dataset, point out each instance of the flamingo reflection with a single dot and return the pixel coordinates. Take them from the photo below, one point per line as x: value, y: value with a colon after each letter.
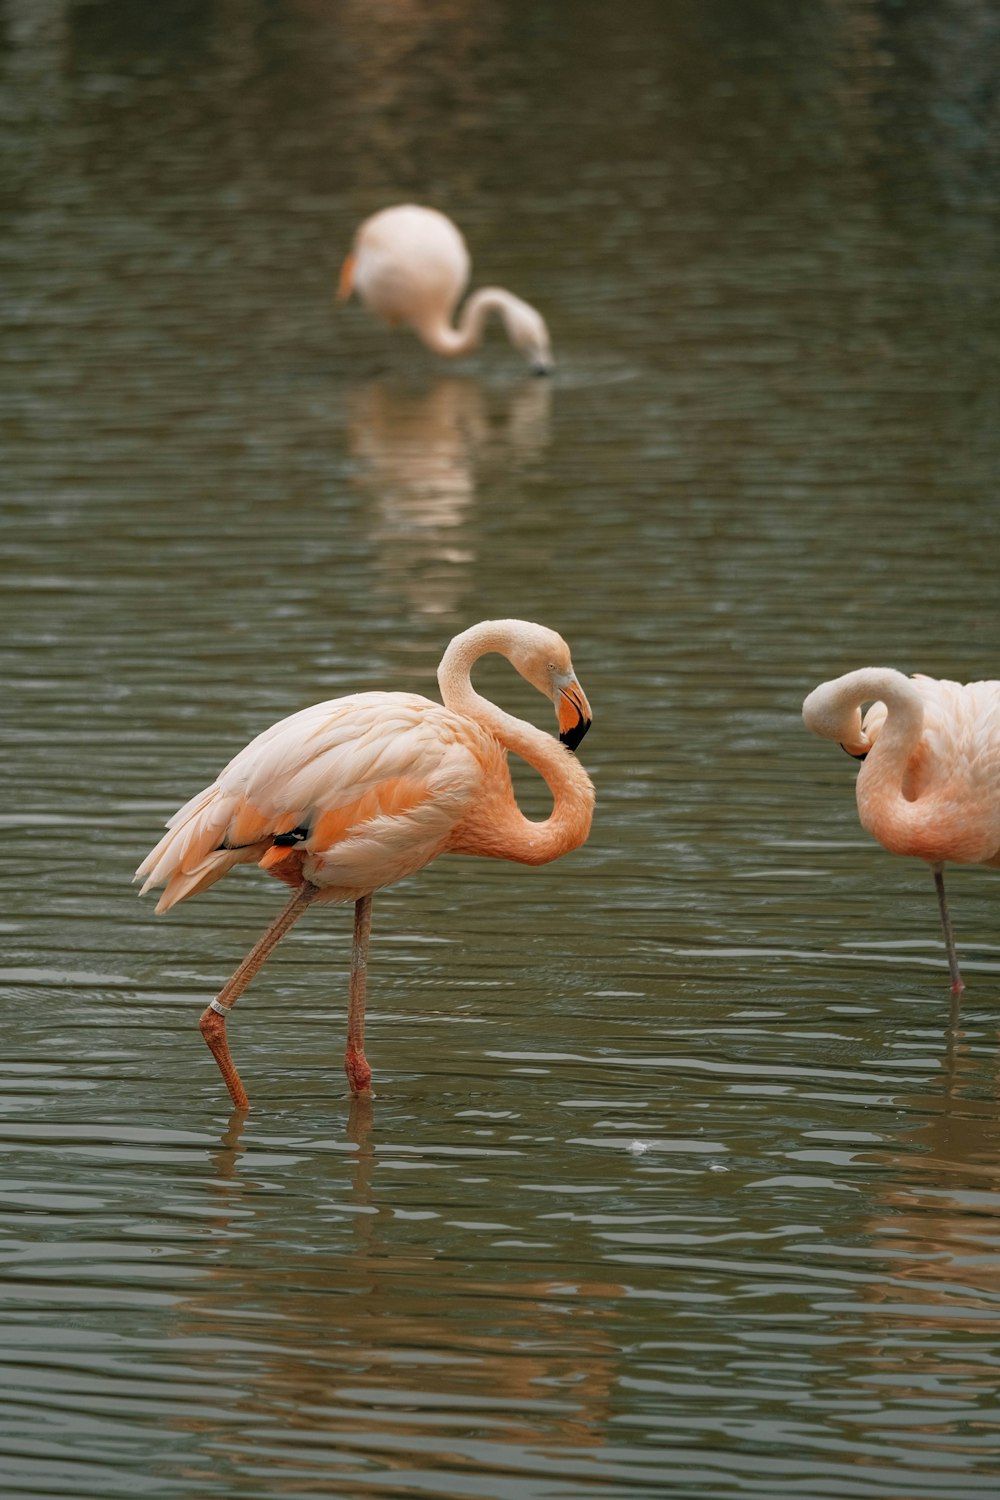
x: 421, y: 453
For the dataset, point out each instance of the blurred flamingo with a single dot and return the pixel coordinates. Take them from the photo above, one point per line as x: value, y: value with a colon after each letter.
x: 409, y: 265
x: 930, y: 783
x: 350, y: 795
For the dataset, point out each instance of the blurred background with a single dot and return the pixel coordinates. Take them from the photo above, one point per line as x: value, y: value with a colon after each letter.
x: 681, y: 1175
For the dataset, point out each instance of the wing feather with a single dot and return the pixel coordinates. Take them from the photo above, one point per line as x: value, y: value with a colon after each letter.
x: 378, y: 779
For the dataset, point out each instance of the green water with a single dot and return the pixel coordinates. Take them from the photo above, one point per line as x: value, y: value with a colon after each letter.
x: 681, y: 1175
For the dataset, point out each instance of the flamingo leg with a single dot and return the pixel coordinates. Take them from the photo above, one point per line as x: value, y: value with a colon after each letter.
x: 213, y: 1018
x: 949, y: 937
x: 359, y: 1074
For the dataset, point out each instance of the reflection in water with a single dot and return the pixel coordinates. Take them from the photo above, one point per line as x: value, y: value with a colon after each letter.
x: 421, y: 453
x: 941, y: 1211
x: 403, y: 62
x: 515, y: 1360
x: 779, y: 223
x: 925, y: 1267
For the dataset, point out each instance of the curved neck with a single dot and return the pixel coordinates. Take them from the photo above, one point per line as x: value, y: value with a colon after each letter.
x: 885, y: 805
x: 572, y: 790
x: 834, y: 709
x: 444, y: 339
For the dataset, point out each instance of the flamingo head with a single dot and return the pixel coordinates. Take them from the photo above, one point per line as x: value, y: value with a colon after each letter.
x: 834, y: 716
x: 528, y: 332
x: 543, y: 659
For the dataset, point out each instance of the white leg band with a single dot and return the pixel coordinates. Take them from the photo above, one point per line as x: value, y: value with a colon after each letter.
x: 217, y: 1005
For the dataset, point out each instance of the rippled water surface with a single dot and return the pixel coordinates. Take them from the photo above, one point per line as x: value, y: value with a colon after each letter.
x: 681, y: 1177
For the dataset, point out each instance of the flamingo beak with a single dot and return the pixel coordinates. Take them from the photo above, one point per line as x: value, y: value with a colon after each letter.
x: 572, y: 710
x: 857, y: 745
x: 345, y: 286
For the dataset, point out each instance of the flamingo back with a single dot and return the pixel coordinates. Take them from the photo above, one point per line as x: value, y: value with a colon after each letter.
x: 358, y: 792
x: 411, y: 266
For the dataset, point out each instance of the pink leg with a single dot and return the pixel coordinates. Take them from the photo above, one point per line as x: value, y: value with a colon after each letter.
x: 949, y: 937
x: 213, y: 1017
x: 213, y: 1028
x: 359, y: 1074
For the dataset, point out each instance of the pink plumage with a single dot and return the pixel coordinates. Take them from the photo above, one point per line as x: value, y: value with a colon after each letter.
x: 409, y: 266
x: 351, y: 795
x: 930, y: 783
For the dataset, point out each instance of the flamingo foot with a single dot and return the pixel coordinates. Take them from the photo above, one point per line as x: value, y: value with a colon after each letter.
x: 359, y: 1074
x: 213, y: 1028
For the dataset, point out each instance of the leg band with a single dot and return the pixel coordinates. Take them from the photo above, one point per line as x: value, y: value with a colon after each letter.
x: 222, y: 1010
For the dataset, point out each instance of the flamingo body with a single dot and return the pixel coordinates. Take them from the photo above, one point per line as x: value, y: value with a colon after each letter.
x: 348, y: 796
x: 950, y: 784
x: 929, y: 786
x: 409, y: 265
x: 376, y: 782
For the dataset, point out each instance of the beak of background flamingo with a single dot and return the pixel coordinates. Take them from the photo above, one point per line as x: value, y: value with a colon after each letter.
x: 345, y: 286
x: 574, y: 713
x: 854, y: 754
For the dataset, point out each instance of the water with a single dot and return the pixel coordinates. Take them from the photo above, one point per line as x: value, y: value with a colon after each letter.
x: 681, y: 1174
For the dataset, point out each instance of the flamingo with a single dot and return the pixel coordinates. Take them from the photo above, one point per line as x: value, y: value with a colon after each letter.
x: 409, y: 265
x: 351, y: 795
x: 930, y: 783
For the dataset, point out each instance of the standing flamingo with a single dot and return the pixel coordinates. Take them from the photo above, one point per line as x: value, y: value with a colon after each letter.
x: 930, y: 783
x: 353, y: 794
x: 409, y: 265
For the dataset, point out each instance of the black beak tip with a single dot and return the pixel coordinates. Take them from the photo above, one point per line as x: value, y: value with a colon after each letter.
x: 852, y: 754
x: 572, y: 737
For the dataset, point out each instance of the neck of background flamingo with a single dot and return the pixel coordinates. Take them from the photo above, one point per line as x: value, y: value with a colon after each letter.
x: 834, y: 709
x: 904, y: 710
x: 455, y: 341
x: 884, y: 809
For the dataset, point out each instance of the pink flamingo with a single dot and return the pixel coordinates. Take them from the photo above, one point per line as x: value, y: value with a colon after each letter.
x: 930, y: 783
x: 409, y: 265
x: 351, y: 795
